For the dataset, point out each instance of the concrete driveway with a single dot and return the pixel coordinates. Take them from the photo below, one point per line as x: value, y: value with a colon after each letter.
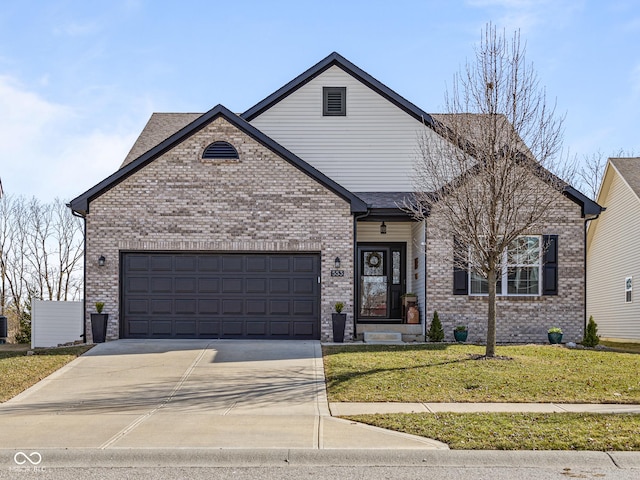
x: 189, y: 394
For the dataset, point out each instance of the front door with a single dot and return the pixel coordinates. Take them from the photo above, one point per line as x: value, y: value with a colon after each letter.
x: 382, y: 281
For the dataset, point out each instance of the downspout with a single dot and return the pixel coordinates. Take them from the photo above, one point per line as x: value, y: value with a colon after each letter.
x: 355, y: 267
x: 424, y: 273
x: 84, y: 275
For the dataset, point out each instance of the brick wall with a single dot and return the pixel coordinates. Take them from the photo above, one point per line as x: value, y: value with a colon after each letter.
x: 519, y: 319
x: 179, y: 202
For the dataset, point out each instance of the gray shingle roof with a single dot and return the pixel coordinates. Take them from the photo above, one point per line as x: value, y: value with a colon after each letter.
x: 159, y: 127
x: 629, y: 168
x: 385, y: 199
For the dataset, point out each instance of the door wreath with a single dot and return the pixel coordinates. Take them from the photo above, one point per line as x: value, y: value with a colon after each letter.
x: 374, y: 259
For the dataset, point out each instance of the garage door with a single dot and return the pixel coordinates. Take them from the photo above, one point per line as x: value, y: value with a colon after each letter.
x: 205, y: 295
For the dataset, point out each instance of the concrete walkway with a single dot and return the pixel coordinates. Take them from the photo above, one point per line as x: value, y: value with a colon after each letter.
x: 340, y: 409
x: 189, y: 394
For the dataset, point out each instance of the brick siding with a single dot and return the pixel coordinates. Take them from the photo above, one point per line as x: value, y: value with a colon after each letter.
x: 518, y: 319
x: 179, y: 202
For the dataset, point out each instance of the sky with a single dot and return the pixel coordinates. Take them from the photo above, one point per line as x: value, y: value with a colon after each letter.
x: 79, y: 79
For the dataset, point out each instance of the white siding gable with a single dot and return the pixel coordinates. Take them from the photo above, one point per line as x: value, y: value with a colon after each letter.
x: 613, y: 255
x: 372, y: 148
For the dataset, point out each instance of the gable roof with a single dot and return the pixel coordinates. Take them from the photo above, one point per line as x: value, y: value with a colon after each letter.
x: 348, y: 67
x: 629, y: 170
x: 475, y: 123
x: 80, y: 204
x: 165, y: 130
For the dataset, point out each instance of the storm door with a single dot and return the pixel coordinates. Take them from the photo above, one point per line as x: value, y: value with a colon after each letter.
x: 381, y: 281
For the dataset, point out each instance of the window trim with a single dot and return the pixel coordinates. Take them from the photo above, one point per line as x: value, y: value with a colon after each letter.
x: 325, y: 102
x: 503, y: 278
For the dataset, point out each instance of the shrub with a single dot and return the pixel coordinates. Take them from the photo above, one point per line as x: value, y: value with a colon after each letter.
x: 555, y: 330
x: 24, y: 329
x: 99, y: 306
x: 591, y: 338
x: 435, y: 333
x: 339, y: 306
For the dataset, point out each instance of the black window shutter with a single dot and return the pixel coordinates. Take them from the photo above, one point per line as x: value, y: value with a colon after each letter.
x: 550, y: 265
x: 460, y: 275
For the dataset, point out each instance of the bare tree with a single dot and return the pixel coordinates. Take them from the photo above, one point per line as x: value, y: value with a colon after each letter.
x: 69, y: 251
x: 17, y: 273
x: 485, y: 184
x: 41, y: 251
x: 592, y: 171
x: 6, y: 234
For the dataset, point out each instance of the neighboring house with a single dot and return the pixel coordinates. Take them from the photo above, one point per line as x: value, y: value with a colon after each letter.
x: 220, y: 225
x: 612, y: 259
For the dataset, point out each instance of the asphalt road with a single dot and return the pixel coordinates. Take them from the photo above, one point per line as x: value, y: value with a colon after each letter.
x: 123, y: 463
x: 321, y: 473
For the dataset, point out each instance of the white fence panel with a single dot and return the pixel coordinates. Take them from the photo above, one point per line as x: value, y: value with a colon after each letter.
x: 55, y: 323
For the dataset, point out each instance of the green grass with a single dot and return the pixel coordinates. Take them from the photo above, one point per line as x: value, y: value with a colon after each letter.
x: 622, y: 347
x: 450, y: 373
x: 19, y: 371
x: 518, y: 431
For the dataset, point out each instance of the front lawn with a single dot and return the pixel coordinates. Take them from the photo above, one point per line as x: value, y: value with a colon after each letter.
x: 451, y: 373
x: 518, y: 431
x: 19, y: 371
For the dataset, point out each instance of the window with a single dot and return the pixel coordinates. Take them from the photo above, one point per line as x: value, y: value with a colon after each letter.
x: 521, y: 271
x: 334, y: 101
x: 628, y: 288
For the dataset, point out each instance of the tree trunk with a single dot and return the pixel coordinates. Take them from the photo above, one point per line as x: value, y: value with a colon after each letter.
x: 491, y: 317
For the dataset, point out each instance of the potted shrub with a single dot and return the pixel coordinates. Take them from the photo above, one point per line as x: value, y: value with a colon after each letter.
x: 339, y: 321
x: 555, y: 335
x: 99, y: 324
x: 460, y: 333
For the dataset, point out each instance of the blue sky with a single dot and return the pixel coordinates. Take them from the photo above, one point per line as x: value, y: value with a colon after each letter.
x: 79, y: 79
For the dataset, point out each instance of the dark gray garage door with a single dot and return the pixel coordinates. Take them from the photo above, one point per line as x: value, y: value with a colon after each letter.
x: 204, y: 295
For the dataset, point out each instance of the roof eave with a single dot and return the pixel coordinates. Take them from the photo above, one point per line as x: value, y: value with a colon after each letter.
x: 589, y: 207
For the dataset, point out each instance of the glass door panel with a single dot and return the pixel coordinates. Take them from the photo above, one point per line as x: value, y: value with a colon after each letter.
x: 373, y: 284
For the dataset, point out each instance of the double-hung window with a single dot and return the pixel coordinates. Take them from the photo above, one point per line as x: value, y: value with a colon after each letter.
x: 520, y: 274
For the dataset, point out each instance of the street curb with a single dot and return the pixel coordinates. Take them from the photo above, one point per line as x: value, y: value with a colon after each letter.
x: 216, y: 457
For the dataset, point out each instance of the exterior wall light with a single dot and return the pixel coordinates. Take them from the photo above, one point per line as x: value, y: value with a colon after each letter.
x: 101, y: 261
x: 337, y: 263
x: 383, y: 229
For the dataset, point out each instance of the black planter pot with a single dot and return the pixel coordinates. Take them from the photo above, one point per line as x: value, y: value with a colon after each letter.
x: 339, y: 321
x: 460, y: 335
x: 554, y: 338
x: 99, y: 327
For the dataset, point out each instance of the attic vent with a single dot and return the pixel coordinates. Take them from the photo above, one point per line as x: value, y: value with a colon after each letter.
x: 219, y: 151
x: 334, y: 101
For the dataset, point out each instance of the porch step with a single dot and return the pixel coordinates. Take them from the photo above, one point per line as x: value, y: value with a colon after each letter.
x: 383, y: 337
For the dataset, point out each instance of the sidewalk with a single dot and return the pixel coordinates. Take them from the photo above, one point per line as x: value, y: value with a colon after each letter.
x: 339, y: 409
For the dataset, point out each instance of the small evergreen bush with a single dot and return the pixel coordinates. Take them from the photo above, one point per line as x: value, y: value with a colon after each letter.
x: 591, y: 338
x: 435, y: 333
x: 24, y: 329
